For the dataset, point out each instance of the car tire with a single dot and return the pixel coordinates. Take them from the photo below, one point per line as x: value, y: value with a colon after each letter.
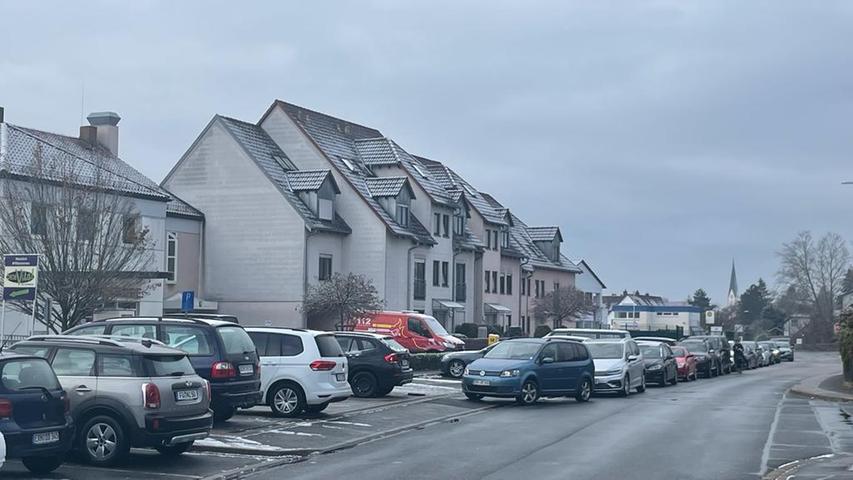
x: 222, y: 413
x: 316, y: 408
x: 381, y: 392
x: 103, y: 441
x: 626, y: 386
x: 642, y: 387
x: 42, y: 465
x: 675, y: 378
x: 286, y: 400
x: 175, y: 450
x: 529, y: 393
x: 456, y: 368
x: 364, y: 384
x: 474, y: 397
x: 584, y: 391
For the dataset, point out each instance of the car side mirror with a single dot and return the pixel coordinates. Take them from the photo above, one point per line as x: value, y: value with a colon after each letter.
x: 631, y: 358
x: 711, y: 351
x: 669, y: 357
x: 545, y: 360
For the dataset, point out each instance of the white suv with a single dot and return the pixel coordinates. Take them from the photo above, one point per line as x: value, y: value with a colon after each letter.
x: 301, y: 370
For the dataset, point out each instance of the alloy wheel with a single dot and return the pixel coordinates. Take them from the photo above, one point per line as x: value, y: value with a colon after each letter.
x: 529, y: 393
x: 286, y: 400
x: 456, y: 369
x: 586, y: 391
x: 101, y: 441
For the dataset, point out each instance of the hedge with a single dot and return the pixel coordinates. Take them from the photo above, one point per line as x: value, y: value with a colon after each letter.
x: 426, y: 361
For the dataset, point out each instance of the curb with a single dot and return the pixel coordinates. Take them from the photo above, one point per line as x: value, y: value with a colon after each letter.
x: 820, y: 394
x: 791, y: 468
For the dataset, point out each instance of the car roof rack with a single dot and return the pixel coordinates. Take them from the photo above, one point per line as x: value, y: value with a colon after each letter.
x: 197, y: 321
x: 111, y: 340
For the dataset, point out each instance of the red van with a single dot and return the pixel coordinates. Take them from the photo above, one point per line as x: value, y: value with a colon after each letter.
x: 415, y: 331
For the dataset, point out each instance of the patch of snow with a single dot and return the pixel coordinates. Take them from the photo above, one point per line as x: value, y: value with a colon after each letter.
x: 224, y: 441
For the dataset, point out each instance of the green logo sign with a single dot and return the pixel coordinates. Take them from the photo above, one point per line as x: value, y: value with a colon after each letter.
x: 20, y: 276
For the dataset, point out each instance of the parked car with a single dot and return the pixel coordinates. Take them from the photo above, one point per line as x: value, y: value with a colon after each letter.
x: 669, y: 341
x: 619, y: 366
x: 302, y: 371
x: 207, y: 316
x: 377, y: 363
x: 719, y: 350
x: 661, y: 367
x: 126, y: 393
x: 775, y: 354
x: 786, y: 340
x: 750, y: 352
x: 706, y: 363
x: 415, y: 331
x: 453, y: 364
x: 530, y: 368
x: 592, y: 333
x: 786, y: 351
x: 764, y: 355
x: 221, y: 352
x: 686, y: 363
x: 35, y: 424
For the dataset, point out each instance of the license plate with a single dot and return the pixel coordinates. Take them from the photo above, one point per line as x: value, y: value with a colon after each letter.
x: 481, y: 383
x: 404, y: 363
x: 341, y: 377
x: 46, y: 437
x: 247, y: 369
x: 183, y: 395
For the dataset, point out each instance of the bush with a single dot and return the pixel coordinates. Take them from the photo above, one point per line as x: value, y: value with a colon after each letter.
x: 514, y: 332
x: 495, y: 330
x: 845, y: 344
x: 541, y: 331
x: 426, y: 361
x: 467, y: 329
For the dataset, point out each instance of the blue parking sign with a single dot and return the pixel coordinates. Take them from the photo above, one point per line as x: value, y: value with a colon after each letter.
x: 187, y: 301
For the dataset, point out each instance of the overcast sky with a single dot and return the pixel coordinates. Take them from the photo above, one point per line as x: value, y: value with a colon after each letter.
x: 665, y: 138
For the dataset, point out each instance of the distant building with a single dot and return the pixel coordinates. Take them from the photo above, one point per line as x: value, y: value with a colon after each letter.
x: 651, y: 312
x: 732, y: 297
x: 592, y: 286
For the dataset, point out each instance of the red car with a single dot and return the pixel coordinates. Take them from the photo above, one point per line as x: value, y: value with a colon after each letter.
x: 686, y: 362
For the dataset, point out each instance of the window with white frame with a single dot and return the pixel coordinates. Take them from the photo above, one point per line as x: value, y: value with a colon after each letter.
x: 403, y: 215
x: 172, y: 257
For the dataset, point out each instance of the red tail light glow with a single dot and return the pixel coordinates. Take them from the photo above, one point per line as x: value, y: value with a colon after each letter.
x: 223, y: 370
x: 322, y: 365
x: 151, y: 395
x: 5, y: 408
x: 392, y: 358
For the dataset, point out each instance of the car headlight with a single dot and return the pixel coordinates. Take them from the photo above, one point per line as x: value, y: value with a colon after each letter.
x: 509, y: 373
x: 466, y: 371
x: 655, y: 367
x: 449, y: 345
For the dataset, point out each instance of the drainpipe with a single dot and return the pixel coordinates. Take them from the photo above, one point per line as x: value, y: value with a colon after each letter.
x: 524, y: 261
x: 305, y: 274
x: 201, y: 256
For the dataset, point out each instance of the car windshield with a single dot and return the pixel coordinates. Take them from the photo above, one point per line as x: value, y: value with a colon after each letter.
x: 168, y: 365
x: 650, y: 351
x: 435, y: 327
x: 514, y: 350
x: 782, y: 345
x: 679, y: 351
x: 236, y: 340
x: 695, y: 347
x: 28, y: 373
x: 393, y: 345
x: 605, y: 350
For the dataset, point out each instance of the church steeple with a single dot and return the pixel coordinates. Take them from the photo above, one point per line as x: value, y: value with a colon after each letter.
x: 732, y: 297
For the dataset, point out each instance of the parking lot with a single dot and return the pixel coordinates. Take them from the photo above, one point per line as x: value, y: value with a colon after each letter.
x: 736, y: 426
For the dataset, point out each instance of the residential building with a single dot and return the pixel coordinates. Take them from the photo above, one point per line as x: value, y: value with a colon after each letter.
x: 593, y: 288
x: 92, y: 162
x: 650, y: 312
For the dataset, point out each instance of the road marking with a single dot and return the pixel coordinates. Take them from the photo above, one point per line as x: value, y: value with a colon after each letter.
x: 768, y: 445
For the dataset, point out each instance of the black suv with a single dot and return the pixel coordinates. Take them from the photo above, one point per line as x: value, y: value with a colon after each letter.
x: 720, y: 351
x: 377, y: 363
x: 220, y: 351
x: 34, y: 413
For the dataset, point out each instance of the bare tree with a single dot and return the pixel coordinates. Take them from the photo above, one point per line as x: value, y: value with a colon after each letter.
x: 343, y: 297
x: 92, y: 249
x: 565, y: 303
x: 817, y: 269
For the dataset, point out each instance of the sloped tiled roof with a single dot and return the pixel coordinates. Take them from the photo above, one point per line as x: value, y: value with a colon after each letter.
x: 275, y: 164
x: 454, y: 183
x: 385, y: 186
x: 179, y: 208
x: 306, y: 180
x: 337, y: 140
x: 69, y: 158
x: 521, y: 240
x: 376, y: 151
x: 543, y: 234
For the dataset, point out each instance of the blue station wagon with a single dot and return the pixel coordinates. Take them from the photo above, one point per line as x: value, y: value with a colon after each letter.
x: 530, y: 368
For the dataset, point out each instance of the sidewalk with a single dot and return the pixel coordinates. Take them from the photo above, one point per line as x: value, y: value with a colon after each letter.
x: 831, y: 388
x: 825, y: 467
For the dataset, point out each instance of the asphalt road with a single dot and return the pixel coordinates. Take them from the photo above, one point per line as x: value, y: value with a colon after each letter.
x: 732, y: 427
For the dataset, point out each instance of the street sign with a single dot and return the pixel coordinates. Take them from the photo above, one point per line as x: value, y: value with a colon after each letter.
x: 709, y: 317
x: 187, y: 301
x: 20, y: 277
x: 717, y: 330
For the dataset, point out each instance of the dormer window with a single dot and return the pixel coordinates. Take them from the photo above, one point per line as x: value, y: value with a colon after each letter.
x: 458, y: 224
x: 505, y: 239
x: 325, y: 209
x: 403, y: 215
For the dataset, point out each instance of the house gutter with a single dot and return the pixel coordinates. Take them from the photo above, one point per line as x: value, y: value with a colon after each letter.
x: 409, y: 280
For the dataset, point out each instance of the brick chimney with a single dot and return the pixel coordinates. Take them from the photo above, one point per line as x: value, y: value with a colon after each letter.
x: 103, y: 130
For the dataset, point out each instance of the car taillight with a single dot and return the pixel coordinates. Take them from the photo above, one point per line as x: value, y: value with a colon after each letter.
x: 207, y: 390
x: 392, y: 358
x: 5, y: 408
x: 322, y: 365
x: 151, y: 395
x: 223, y: 370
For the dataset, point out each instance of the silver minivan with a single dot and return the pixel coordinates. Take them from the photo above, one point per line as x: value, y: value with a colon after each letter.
x: 126, y: 392
x: 619, y: 366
